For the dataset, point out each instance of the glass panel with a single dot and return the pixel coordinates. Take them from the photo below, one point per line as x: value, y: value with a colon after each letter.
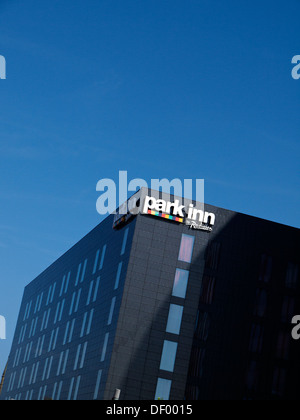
x: 163, y: 389
x: 180, y: 283
x: 168, y: 356
x: 104, y: 347
x: 292, y: 276
x: 98, y: 384
x: 175, y: 318
x: 111, y: 313
x: 124, y: 241
x: 186, y: 248
x: 118, y: 276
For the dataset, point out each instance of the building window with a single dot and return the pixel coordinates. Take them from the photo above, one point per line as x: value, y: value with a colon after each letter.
x: 58, y: 388
x: 104, y: 347
x: 180, y: 283
x: 96, y: 261
x: 118, y: 276
x: 186, y: 248
x: 279, y: 379
x: 124, y: 241
x: 111, y: 313
x: 174, y: 320
x: 256, y: 340
x: 168, y: 356
x: 197, y: 362
x: 102, y: 257
x: 202, y: 326
x: 64, y: 284
x: 292, y: 276
x: 207, y: 290
x: 288, y: 308
x: 261, y: 300
x: 75, y: 395
x: 252, y: 377
x: 163, y: 389
x: 212, y: 257
x: 96, y: 393
x: 265, y: 269
x: 283, y: 345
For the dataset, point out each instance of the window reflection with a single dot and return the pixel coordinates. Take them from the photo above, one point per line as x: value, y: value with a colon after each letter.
x: 186, y: 248
x: 175, y: 318
x: 163, y: 389
x: 180, y: 283
x: 168, y: 356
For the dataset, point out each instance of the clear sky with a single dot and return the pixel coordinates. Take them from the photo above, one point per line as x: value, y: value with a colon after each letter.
x: 161, y: 88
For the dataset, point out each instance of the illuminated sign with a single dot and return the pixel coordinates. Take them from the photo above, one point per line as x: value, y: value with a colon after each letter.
x: 192, y: 217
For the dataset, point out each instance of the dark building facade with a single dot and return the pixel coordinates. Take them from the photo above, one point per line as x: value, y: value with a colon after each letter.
x: 163, y: 309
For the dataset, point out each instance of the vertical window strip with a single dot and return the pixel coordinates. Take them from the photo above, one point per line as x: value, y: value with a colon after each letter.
x: 47, y: 319
x: 49, y: 295
x: 24, y: 376
x: 61, y: 310
x: 104, y: 347
x: 163, y: 389
x: 78, y: 274
x: 36, y: 304
x: 72, y: 303
x: 96, y: 261
x: 66, y: 333
x: 41, y: 299
x: 124, y: 241
x: 59, y: 391
x: 83, y: 271
x: 83, y: 355
x: 67, y: 282
x: 53, y: 291
x: 96, y: 290
x: 77, y: 357
x: 77, y: 388
x: 96, y: 393
x: 45, y: 369
x: 90, y: 322
x: 71, y: 389
x: 102, y: 257
x: 62, y: 286
x: 35, y: 326
x: 60, y: 363
x: 83, y: 325
x: 25, y: 314
x: 168, y: 357
x: 57, y: 311
x: 78, y: 300
x: 65, y: 362
x: 49, y: 368
x: 186, y: 248
x: 90, y: 293
x: 72, y: 330
x: 112, y: 308
x: 118, y: 276
x: 55, y: 340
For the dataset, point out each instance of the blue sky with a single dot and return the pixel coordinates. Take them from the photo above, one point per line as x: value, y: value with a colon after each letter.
x: 161, y: 88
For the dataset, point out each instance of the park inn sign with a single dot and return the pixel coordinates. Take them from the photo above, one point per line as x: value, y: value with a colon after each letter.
x: 174, y: 211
